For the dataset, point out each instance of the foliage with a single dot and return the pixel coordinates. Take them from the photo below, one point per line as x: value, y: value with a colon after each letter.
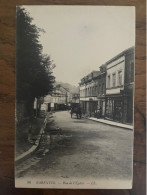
x: 71, y: 88
x: 33, y: 69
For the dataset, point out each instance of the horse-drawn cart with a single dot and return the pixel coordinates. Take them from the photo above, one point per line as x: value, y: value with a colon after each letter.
x: 76, y: 109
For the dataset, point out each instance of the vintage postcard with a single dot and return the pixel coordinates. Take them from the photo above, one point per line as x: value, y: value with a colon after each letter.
x: 74, y: 96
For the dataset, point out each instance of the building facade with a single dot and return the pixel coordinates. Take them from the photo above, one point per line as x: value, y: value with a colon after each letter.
x: 59, y: 99
x: 101, y: 92
x: 110, y: 89
x: 88, y: 93
x: 129, y: 86
x: 119, y: 87
x: 114, y: 88
x: 75, y: 98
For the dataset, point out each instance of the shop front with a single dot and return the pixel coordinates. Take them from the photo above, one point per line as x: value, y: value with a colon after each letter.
x: 92, y: 107
x: 89, y: 106
x: 101, y: 106
x: 114, y: 108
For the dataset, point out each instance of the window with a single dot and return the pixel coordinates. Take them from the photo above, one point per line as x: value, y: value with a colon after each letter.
x: 94, y: 89
x: 96, y: 93
x: 119, y: 78
x: 99, y: 89
x: 103, y: 88
x: 86, y: 93
x: 108, y: 82
x: 114, y: 80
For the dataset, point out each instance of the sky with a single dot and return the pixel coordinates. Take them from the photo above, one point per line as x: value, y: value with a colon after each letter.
x: 79, y: 39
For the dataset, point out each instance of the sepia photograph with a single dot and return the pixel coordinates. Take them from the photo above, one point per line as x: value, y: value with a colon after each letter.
x: 74, y: 109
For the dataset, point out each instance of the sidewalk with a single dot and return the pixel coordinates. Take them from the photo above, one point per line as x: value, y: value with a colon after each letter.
x: 112, y: 123
x: 26, y: 145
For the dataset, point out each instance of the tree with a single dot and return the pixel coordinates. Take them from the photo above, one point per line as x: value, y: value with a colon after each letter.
x: 33, y: 69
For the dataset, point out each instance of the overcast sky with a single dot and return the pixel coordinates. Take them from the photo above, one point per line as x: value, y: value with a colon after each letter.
x: 81, y: 38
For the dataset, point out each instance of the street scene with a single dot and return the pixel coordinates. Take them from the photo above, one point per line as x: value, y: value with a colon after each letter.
x: 79, y: 148
x: 74, y: 97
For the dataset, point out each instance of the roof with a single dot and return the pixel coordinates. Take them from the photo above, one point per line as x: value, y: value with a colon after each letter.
x: 91, y: 75
x: 95, y: 74
x: 130, y: 49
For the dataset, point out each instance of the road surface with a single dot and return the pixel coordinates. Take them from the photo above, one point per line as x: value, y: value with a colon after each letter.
x: 80, y: 148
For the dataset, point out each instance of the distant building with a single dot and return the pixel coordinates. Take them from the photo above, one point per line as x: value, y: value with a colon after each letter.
x: 101, y: 85
x: 88, y: 92
x: 75, y: 98
x: 59, y: 99
x: 66, y: 93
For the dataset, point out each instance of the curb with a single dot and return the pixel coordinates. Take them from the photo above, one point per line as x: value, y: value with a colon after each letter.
x: 34, y: 147
x: 130, y: 127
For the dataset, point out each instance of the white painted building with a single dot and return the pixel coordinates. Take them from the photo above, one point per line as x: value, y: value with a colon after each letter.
x: 59, y: 99
x: 119, y: 87
x: 115, y: 75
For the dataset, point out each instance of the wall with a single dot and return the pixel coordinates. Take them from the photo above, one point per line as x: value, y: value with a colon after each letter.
x: 129, y: 85
x: 114, y: 67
